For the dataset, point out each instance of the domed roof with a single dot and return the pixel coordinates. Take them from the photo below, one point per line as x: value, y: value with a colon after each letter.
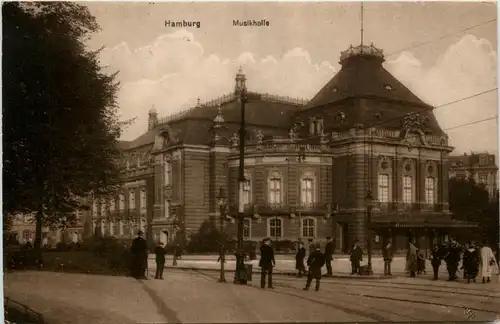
x: 362, y: 75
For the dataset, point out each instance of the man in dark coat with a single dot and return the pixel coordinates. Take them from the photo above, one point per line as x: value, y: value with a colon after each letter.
x: 356, y: 257
x: 452, y: 260
x: 436, y: 257
x: 160, y: 260
x: 315, y: 262
x: 329, y: 249
x: 266, y: 264
x: 388, y: 254
x: 299, y: 259
x: 139, y: 256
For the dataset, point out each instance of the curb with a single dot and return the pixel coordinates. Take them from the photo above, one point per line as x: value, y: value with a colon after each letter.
x: 291, y: 273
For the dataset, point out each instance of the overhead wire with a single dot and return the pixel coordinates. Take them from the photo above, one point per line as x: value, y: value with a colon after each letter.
x: 417, y: 111
x: 442, y: 37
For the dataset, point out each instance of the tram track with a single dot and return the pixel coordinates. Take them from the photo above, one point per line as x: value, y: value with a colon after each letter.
x: 375, y: 317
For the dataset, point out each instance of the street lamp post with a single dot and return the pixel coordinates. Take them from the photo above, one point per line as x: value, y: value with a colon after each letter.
x: 222, y: 202
x: 240, y: 265
x: 369, y: 207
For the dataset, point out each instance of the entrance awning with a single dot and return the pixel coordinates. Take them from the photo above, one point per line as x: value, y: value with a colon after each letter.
x: 436, y: 223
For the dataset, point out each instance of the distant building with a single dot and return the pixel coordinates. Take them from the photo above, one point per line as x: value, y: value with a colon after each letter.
x: 479, y: 166
x: 24, y: 228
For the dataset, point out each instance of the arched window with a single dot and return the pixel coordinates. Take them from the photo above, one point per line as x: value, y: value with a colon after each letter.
x: 275, y: 227
x: 308, y: 227
x: 275, y: 192
x: 103, y: 208
x: 247, y: 228
x: 407, y: 189
x: 430, y: 190
x: 307, y: 189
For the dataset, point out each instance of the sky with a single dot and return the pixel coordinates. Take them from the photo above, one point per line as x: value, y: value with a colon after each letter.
x: 442, y: 51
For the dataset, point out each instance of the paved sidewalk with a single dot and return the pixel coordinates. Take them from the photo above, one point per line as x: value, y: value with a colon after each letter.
x: 341, y: 267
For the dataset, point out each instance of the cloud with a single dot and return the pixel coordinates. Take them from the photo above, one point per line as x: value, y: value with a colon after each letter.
x: 467, y: 68
x: 173, y: 71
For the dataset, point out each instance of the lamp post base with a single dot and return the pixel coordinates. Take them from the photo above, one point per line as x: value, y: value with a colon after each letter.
x: 222, y: 280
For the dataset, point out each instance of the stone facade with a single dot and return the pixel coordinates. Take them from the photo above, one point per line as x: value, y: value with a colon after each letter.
x: 479, y: 166
x: 309, y: 165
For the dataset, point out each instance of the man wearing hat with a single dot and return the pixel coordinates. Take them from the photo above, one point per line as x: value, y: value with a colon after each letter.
x: 266, y: 264
x: 139, y: 256
x: 329, y: 249
x: 315, y: 262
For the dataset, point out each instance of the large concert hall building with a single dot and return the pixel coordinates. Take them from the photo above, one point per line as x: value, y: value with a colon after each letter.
x: 309, y: 165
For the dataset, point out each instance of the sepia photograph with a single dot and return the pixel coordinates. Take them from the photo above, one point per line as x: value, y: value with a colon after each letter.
x: 250, y: 162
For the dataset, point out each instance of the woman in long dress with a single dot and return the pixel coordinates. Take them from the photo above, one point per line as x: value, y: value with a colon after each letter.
x: 411, y: 258
x: 487, y: 262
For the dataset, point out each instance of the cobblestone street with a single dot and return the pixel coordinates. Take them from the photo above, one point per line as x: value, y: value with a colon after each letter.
x: 196, y: 297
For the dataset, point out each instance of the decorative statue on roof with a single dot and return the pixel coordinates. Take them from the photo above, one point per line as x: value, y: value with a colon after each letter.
x: 260, y: 136
x: 414, y: 123
x: 235, y: 140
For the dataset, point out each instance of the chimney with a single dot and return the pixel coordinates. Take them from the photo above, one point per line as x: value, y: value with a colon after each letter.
x: 153, y: 118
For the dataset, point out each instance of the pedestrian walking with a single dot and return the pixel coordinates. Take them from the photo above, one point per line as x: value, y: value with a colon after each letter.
x: 420, y: 263
x: 299, y: 260
x: 329, y: 249
x: 139, y: 251
x: 388, y: 254
x: 436, y: 258
x: 315, y: 262
x: 411, y: 258
x: 452, y: 259
x: 488, y: 261
x: 177, y: 252
x: 470, y: 263
x: 356, y: 257
x: 160, y: 260
x: 266, y: 264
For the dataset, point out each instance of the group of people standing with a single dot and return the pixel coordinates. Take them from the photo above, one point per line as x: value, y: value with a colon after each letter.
x: 477, y: 261
x: 139, y: 261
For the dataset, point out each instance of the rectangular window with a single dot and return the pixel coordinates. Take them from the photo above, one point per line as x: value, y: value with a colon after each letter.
x: 143, y: 199
x: 167, y: 208
x: 103, y: 208
x: 122, y: 202
x: 383, y: 188
x: 167, y: 172
x: 111, y: 228
x: 430, y: 189
x: 94, y: 207
x: 103, y: 228
x: 131, y: 199
x: 112, y: 203
x: 307, y: 192
x: 120, y: 227
x: 308, y: 227
x: 407, y: 189
x: 247, y: 223
x: 275, y: 227
x: 275, y: 191
x: 247, y: 192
